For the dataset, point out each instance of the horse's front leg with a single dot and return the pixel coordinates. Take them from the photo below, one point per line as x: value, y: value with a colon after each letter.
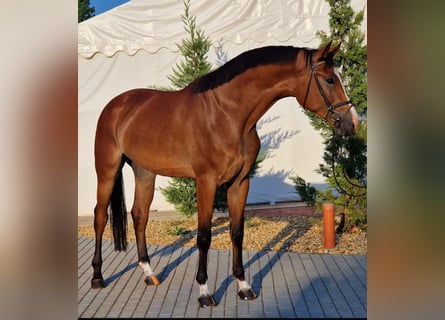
x: 205, y: 194
x: 236, y: 199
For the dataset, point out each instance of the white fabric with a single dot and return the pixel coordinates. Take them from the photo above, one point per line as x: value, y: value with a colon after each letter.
x: 152, y: 25
x: 134, y: 45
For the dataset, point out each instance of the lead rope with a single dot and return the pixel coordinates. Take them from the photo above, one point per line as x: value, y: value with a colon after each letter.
x: 348, y: 179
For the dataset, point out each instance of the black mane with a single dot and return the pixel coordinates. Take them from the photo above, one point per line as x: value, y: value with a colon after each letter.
x: 247, y: 60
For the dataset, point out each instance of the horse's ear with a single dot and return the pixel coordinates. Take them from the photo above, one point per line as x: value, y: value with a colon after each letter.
x: 327, y: 52
x: 326, y: 49
x: 333, y: 51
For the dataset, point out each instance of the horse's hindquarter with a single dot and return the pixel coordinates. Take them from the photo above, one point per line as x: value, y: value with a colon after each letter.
x: 151, y: 133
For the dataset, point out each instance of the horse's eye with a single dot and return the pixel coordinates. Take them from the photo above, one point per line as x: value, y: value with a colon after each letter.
x: 330, y: 81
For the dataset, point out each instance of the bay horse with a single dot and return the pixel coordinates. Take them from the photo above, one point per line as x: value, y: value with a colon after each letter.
x: 206, y: 131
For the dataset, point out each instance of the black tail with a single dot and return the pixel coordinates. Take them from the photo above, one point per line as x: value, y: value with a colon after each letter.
x: 118, y: 213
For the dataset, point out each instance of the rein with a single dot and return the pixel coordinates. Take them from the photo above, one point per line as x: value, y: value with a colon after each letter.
x: 331, y: 108
x: 345, y: 175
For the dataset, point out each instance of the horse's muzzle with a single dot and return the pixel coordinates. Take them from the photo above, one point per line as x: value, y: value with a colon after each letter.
x: 347, y: 124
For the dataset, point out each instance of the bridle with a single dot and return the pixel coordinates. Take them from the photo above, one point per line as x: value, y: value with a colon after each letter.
x: 331, y: 108
x: 336, y: 118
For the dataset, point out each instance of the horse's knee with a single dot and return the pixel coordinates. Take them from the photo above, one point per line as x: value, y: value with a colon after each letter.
x: 139, y: 220
x: 100, y: 218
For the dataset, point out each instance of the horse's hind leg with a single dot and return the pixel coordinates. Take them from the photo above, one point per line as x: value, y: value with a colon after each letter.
x: 236, y: 200
x: 106, y: 174
x: 144, y: 190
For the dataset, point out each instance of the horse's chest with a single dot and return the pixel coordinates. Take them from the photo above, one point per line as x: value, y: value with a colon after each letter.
x: 233, y: 168
x: 238, y: 161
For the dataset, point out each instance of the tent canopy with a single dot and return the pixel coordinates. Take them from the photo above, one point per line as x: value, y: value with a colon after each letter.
x: 156, y: 24
x: 135, y: 45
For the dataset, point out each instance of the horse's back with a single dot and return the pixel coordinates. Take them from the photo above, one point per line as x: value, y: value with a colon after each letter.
x: 120, y: 107
x: 124, y: 101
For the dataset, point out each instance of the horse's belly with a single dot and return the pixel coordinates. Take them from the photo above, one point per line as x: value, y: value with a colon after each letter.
x: 178, y: 172
x: 165, y: 166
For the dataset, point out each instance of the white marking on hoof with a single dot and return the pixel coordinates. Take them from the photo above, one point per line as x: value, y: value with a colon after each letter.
x: 203, y: 289
x: 147, y: 269
x: 242, y: 285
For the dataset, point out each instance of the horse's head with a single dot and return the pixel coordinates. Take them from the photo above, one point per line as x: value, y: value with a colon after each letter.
x: 324, y: 93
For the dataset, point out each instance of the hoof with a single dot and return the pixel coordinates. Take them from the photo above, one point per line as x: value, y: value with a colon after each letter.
x: 97, y: 283
x: 246, y: 294
x: 206, y: 301
x: 152, y: 280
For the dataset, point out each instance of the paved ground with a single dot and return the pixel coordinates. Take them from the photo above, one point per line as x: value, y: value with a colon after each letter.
x: 287, y: 284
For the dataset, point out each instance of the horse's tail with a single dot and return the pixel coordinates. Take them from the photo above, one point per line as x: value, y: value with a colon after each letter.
x: 118, y: 212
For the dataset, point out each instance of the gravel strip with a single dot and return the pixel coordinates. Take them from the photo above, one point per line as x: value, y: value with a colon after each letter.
x: 301, y: 234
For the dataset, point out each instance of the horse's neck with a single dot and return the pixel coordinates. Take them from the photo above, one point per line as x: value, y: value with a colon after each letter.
x: 252, y: 93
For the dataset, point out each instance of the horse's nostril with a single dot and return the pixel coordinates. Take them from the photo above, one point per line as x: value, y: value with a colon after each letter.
x: 354, y: 119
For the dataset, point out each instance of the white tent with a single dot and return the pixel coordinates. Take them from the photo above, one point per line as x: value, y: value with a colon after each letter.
x: 135, y: 45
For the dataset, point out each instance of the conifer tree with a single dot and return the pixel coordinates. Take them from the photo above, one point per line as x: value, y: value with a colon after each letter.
x: 345, y: 167
x: 194, y: 51
x: 84, y: 10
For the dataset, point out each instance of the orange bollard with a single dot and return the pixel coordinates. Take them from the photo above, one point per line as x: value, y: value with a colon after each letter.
x: 328, y: 223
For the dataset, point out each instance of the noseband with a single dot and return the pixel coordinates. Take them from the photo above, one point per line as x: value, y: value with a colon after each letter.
x: 331, y: 108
